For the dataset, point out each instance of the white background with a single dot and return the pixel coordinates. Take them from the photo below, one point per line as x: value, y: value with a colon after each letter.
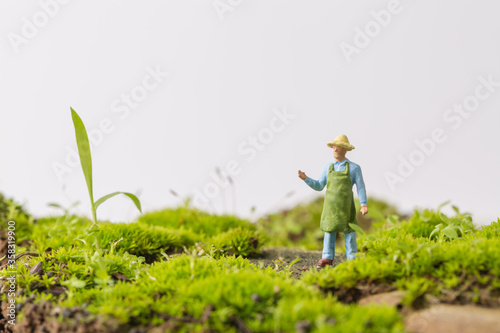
x: 228, y: 70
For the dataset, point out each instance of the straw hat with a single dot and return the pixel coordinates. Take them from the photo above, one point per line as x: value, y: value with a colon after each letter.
x: 340, y: 141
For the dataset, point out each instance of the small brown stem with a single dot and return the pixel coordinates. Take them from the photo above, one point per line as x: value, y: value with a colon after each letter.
x: 33, y: 254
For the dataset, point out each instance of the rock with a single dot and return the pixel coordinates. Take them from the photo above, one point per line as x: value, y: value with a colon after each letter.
x: 37, y: 269
x: 57, y: 290
x: 454, y: 318
x: 137, y: 330
x: 431, y: 300
x: 67, y: 313
x: 19, y: 306
x: 393, y: 298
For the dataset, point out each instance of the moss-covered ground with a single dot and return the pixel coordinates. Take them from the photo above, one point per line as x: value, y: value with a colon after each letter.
x: 189, y: 271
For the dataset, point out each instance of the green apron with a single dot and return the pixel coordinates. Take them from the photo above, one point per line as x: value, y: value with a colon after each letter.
x: 338, y: 209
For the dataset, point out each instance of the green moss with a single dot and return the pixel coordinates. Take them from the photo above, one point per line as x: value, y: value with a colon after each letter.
x: 228, y: 234
x: 202, y: 223
x: 144, y: 240
x: 264, y: 300
x: 492, y: 230
x: 12, y: 211
x: 57, y: 232
x: 167, y: 231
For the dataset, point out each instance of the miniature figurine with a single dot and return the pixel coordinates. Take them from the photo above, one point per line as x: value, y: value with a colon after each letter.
x: 339, y: 177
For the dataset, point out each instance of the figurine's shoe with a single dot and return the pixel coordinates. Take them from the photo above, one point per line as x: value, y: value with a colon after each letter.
x: 323, y: 262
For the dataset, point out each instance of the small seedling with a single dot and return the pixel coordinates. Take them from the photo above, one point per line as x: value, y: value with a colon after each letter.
x: 82, y: 141
x: 65, y: 210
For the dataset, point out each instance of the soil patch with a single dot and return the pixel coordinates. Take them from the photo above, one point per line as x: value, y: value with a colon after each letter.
x: 281, y: 257
x: 42, y: 317
x: 454, y: 318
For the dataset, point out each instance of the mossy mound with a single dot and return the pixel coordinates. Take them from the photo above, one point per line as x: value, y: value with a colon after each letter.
x: 168, y: 231
x: 218, y: 233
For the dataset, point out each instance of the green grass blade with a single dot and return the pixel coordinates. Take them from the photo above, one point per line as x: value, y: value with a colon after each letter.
x: 130, y: 195
x: 436, y: 230
x: 82, y: 141
x: 55, y: 205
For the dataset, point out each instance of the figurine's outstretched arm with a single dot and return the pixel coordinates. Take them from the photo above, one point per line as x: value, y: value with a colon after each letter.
x: 317, y: 185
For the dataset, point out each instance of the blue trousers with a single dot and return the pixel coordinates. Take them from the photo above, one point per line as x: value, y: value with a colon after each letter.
x: 329, y: 245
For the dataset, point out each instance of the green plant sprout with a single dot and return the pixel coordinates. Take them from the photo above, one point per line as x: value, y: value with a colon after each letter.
x: 286, y: 268
x: 61, y: 207
x: 82, y: 141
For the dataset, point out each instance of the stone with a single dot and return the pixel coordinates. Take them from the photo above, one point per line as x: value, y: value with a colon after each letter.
x: 393, y: 298
x: 454, y: 319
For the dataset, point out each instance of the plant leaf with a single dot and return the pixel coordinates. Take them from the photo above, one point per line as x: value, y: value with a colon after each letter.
x: 393, y: 219
x: 356, y: 228
x: 451, y: 231
x: 436, y: 230
x: 442, y: 205
x: 82, y: 141
x: 294, y: 262
x: 444, y: 218
x: 74, y: 282
x: 54, y: 204
x: 74, y: 204
x: 130, y: 195
x: 81, y: 240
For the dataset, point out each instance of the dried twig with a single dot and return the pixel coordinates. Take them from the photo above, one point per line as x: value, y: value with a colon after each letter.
x: 33, y: 254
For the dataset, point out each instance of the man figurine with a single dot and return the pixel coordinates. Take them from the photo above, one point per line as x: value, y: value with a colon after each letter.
x: 338, y: 209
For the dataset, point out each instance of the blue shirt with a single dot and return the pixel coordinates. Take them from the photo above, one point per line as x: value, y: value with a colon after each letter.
x: 356, y: 178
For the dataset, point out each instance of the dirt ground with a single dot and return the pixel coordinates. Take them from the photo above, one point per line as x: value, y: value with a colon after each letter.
x: 284, y: 255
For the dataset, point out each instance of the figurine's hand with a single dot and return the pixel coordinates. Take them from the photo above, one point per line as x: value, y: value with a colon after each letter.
x: 364, y: 210
x: 302, y: 175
